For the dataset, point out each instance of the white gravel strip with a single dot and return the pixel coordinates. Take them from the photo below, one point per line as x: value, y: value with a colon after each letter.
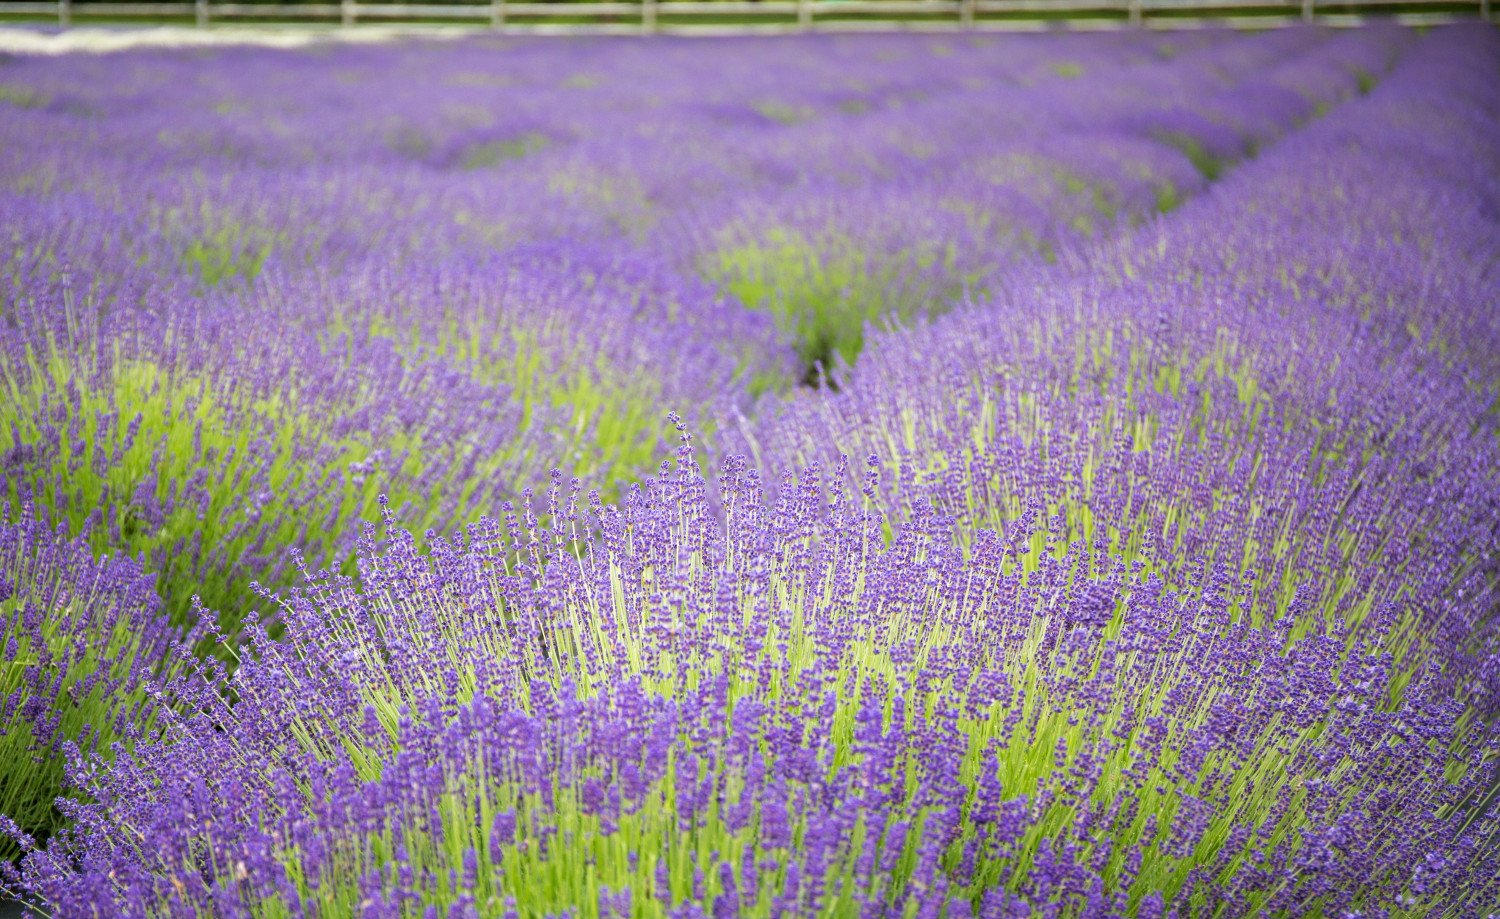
x: 99, y: 39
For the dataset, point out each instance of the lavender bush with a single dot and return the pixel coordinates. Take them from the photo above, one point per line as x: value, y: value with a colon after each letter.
x: 1095, y: 512
x: 207, y: 450
x: 1253, y: 365
x: 780, y: 712
x: 83, y: 638
x: 992, y: 178
x: 468, y: 324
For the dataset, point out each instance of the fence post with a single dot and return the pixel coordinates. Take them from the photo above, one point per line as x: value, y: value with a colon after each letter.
x: 1484, y: 10
x: 200, y: 12
x: 497, y: 14
x: 648, y: 16
x: 64, y: 12
x: 1307, y: 10
x: 1135, y: 13
x: 966, y: 13
x: 804, y: 14
x: 346, y: 12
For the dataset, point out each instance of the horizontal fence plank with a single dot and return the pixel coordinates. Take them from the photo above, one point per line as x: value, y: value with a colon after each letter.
x: 889, y: 25
x: 572, y: 10
x: 1194, y: 6
x: 1336, y: 8
x: 424, y: 11
x: 129, y: 10
x: 572, y: 28
x: 605, y: 16
x: 727, y: 7
x: 728, y: 28
x: 1351, y: 20
x: 1044, y: 6
x: 1217, y: 22
x: 273, y: 10
x: 894, y: 7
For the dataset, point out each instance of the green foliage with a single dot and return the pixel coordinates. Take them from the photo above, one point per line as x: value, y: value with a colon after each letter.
x: 781, y: 112
x: 219, y: 247
x: 1053, y: 739
x: 182, y: 430
x: 492, y: 153
x: 210, y: 481
x: 1167, y: 198
x: 824, y: 292
x: 607, y: 422
x: 22, y: 96
x: 69, y: 641
x: 223, y: 256
x: 1208, y: 165
x: 592, y: 419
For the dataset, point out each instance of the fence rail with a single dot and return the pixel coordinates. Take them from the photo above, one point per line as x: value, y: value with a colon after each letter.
x: 763, y: 15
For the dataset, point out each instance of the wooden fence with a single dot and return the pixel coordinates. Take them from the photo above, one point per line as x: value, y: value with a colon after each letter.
x: 746, y: 16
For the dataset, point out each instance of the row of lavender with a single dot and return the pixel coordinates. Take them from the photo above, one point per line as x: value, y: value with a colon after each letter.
x: 1168, y: 584
x: 213, y: 256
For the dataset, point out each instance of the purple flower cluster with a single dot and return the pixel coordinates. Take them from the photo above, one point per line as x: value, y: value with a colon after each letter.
x: 239, y: 314
x: 963, y: 191
x: 650, y: 707
x: 83, y: 640
x: 1163, y: 581
x: 1292, y: 376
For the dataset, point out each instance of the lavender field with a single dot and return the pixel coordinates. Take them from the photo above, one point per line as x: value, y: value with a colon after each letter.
x: 919, y: 476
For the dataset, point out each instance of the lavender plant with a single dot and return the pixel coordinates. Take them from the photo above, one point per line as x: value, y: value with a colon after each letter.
x: 1164, y: 582
x: 584, y: 342
x: 950, y: 210
x: 207, y: 453
x: 1190, y: 385
x: 779, y: 711
x: 82, y: 643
